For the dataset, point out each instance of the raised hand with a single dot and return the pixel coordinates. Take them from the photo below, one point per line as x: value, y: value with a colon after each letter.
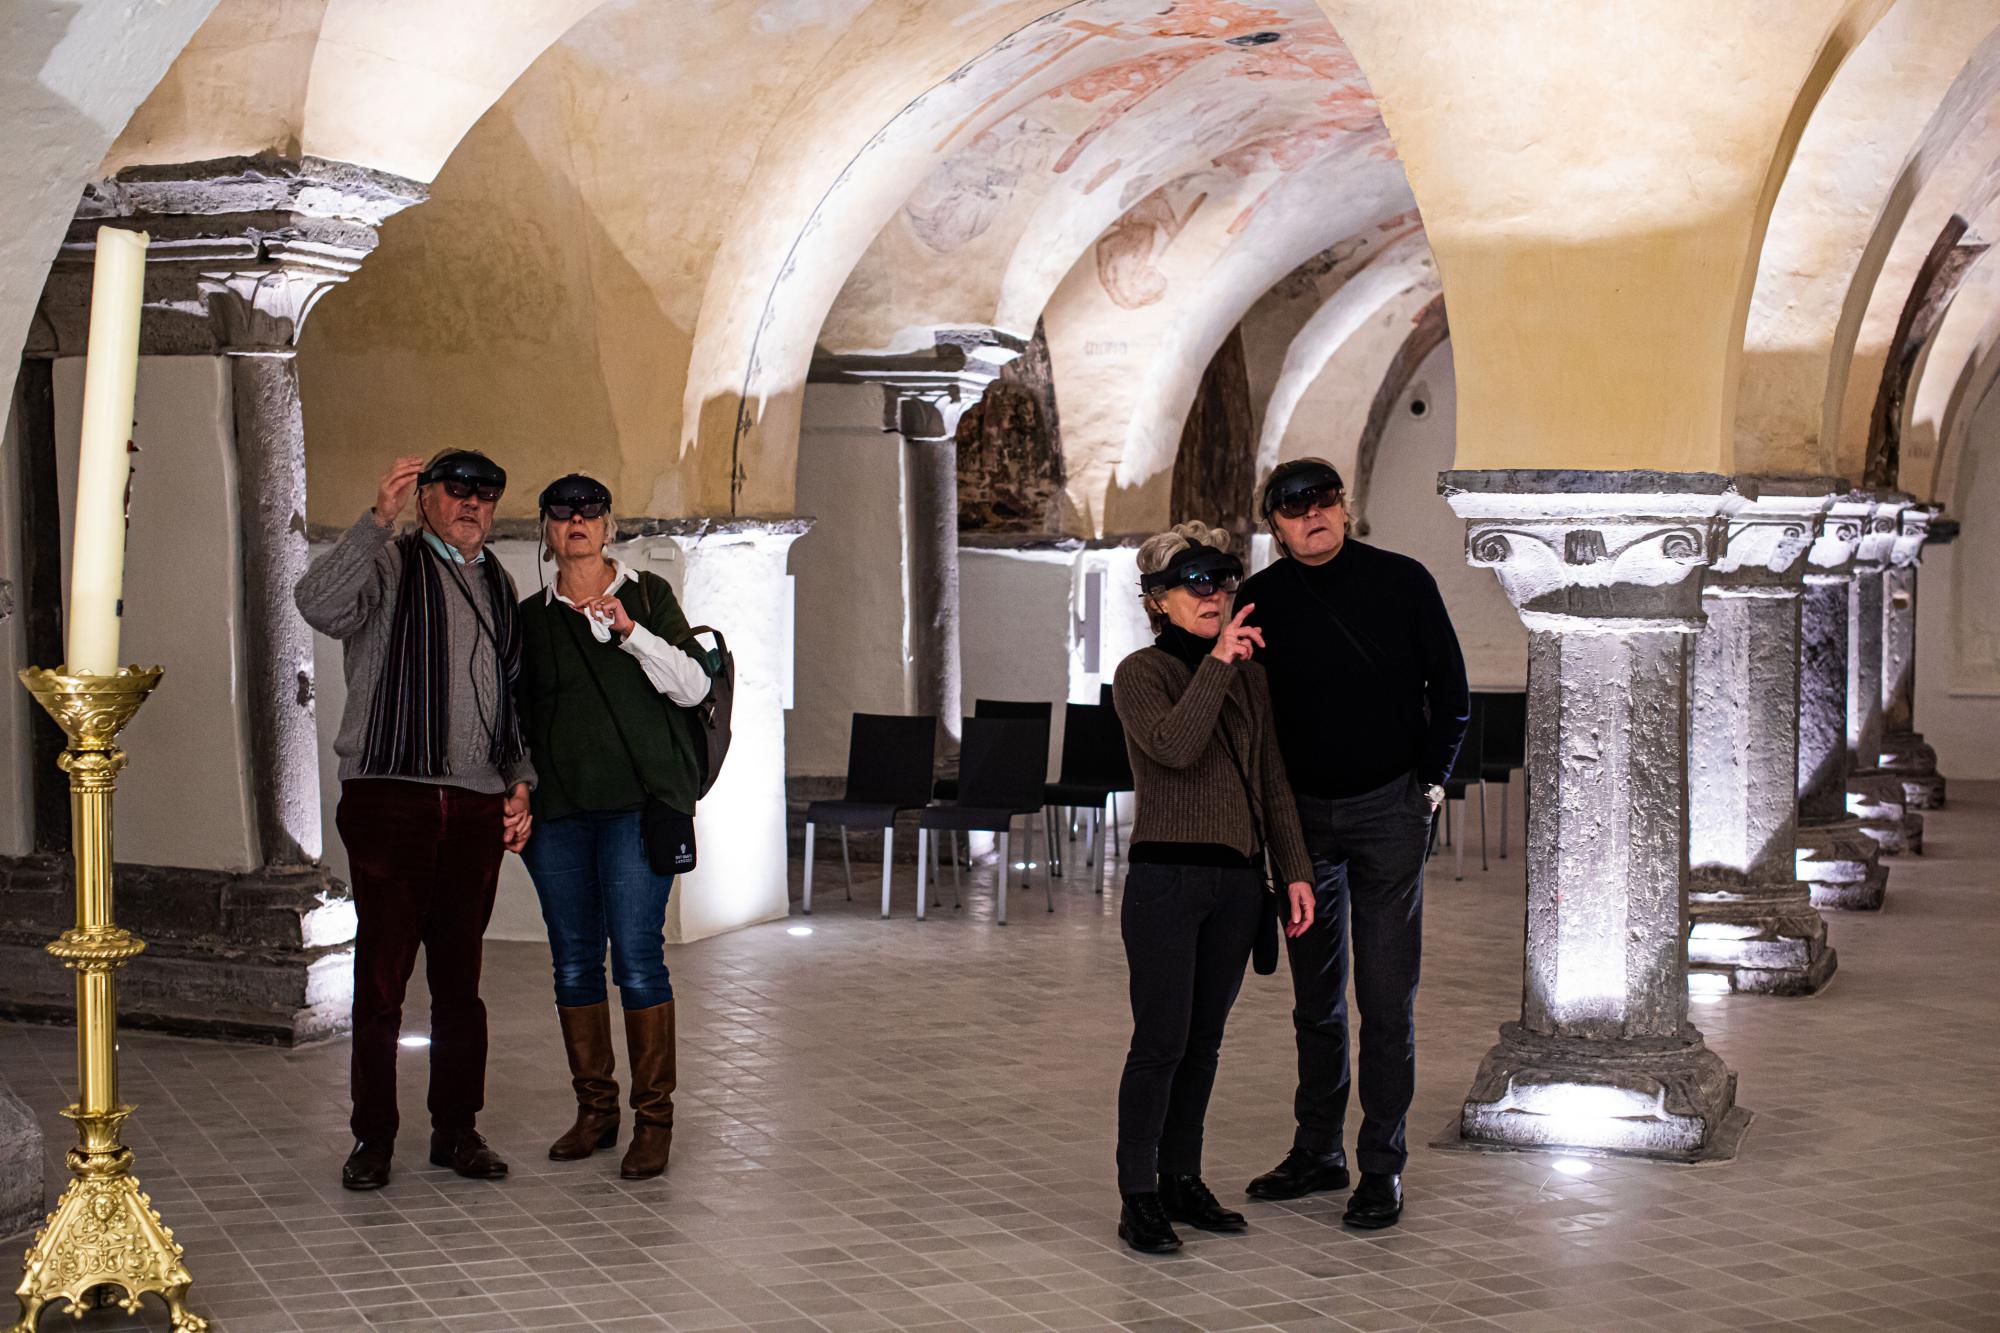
x: 610, y: 610
x: 393, y: 491
x: 1238, y: 640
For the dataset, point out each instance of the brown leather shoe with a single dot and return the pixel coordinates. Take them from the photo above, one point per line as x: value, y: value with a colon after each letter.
x: 465, y: 1152
x: 586, y: 1031
x: 649, y: 1046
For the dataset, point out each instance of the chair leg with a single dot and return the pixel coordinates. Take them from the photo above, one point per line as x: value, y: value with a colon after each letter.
x: 809, y: 869
x: 1504, y: 788
x: 923, y: 866
x: 937, y: 866
x: 1103, y: 858
x: 1457, y: 857
x: 888, y: 865
x: 846, y: 864
x: 1117, y: 843
x: 1482, y: 826
x: 1052, y: 841
x: 1006, y: 869
x: 957, y: 875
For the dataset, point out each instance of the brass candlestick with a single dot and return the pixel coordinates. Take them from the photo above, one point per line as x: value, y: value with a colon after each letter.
x: 104, y: 1232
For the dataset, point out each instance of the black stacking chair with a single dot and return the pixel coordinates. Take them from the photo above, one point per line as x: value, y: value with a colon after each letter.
x: 1094, y: 766
x: 889, y: 766
x: 1002, y: 767
x: 1463, y: 778
x: 1031, y: 710
x: 1506, y: 745
x: 1125, y: 782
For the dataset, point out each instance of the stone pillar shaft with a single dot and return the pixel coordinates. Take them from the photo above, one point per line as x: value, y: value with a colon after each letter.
x: 271, y: 488
x: 1875, y: 797
x: 1753, y: 920
x: 1607, y: 809
x: 1904, y: 754
x: 1605, y: 570
x: 933, y: 557
x: 1838, y: 861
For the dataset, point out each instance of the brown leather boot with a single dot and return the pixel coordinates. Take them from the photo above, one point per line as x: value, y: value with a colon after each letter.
x: 586, y: 1031
x: 649, y: 1045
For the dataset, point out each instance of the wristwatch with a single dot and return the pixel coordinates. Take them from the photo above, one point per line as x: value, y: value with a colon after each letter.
x: 1436, y: 792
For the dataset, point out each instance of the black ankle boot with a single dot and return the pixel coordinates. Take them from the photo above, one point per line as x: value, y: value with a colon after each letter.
x: 1377, y: 1201
x: 1185, y: 1199
x: 1143, y: 1225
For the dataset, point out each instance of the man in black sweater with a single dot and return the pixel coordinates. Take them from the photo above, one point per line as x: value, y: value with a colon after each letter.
x: 1369, y: 698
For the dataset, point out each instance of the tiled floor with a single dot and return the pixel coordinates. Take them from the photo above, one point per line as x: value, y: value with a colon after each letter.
x: 903, y: 1125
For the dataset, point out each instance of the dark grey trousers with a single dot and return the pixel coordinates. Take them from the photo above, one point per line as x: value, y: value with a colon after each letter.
x: 1368, y: 867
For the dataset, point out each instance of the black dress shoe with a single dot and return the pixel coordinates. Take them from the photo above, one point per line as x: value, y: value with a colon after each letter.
x: 1377, y: 1201
x: 1144, y: 1226
x: 367, y: 1167
x: 465, y: 1152
x: 1300, y: 1174
x: 1186, y: 1199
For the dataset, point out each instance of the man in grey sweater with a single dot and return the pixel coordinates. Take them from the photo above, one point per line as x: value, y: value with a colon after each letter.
x: 434, y: 782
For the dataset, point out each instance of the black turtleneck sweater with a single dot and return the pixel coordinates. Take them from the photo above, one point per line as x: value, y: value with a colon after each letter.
x: 1367, y: 682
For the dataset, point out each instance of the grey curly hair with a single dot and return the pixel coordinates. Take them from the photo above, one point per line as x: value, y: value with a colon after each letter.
x: 1158, y: 550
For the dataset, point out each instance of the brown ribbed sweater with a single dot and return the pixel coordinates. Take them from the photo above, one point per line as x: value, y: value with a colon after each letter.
x: 1188, y: 787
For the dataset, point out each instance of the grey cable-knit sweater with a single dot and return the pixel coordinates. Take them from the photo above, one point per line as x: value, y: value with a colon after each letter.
x: 1188, y: 787
x: 349, y: 594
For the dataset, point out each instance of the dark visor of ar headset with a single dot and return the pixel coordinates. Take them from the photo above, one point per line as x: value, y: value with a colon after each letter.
x: 466, y: 474
x: 1200, y: 569
x: 575, y: 496
x: 1300, y: 490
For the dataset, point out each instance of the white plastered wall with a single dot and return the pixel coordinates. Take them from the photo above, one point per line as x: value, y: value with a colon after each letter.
x: 1405, y: 514
x: 1958, y: 624
x: 853, y: 575
x: 185, y: 800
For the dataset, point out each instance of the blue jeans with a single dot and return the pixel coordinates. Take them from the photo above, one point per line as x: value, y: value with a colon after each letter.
x: 591, y: 873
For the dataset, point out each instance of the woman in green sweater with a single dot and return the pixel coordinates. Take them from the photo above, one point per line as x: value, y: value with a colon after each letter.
x: 603, y: 698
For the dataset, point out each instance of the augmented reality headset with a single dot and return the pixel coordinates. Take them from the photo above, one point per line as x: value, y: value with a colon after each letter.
x: 1202, y: 570
x: 1299, y: 488
x: 464, y: 473
x: 575, y: 496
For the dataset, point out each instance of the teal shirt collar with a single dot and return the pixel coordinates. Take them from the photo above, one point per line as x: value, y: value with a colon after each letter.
x: 450, y: 552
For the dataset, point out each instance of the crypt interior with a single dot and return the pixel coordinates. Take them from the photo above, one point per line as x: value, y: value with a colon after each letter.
x: 1661, y: 332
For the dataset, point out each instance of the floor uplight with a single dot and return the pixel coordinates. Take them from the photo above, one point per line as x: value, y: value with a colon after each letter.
x: 1573, y: 1166
x: 801, y: 931
x: 413, y: 1040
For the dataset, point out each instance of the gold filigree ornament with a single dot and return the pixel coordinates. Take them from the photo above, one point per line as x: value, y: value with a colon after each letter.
x: 103, y: 1237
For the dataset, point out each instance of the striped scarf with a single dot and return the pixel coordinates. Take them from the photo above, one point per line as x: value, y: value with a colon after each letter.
x: 409, y: 719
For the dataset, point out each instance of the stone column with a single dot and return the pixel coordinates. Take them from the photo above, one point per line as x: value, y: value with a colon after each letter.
x: 1754, y: 922
x: 1605, y: 569
x: 1874, y: 797
x: 1904, y: 753
x: 923, y: 397
x: 1840, y: 864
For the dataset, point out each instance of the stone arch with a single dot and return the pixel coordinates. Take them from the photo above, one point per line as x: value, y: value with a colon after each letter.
x: 1427, y: 334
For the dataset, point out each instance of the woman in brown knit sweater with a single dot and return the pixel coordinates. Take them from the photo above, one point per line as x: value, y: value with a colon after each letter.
x: 1211, y: 792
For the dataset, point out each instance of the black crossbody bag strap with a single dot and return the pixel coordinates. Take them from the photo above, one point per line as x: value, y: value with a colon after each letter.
x: 668, y: 834
x: 1264, y: 942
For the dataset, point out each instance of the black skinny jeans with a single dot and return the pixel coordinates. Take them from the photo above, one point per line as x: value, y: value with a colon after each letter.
x: 1368, y: 868
x: 1188, y: 931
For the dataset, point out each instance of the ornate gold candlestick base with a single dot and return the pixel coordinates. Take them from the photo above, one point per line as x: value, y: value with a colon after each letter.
x: 104, y: 1232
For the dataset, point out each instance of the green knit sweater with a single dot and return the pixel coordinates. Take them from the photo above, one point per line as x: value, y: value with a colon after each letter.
x: 585, y: 754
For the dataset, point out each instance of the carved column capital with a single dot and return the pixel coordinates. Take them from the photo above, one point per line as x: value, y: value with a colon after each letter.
x: 1908, y: 549
x: 1832, y: 557
x: 1881, y: 529
x: 1596, y: 550
x: 242, y: 249
x: 925, y: 393
x: 1769, y: 540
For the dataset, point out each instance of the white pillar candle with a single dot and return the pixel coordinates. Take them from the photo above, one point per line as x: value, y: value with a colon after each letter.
x: 110, y: 377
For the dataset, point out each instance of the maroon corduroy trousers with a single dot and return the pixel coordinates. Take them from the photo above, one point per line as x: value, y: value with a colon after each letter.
x: 424, y: 861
